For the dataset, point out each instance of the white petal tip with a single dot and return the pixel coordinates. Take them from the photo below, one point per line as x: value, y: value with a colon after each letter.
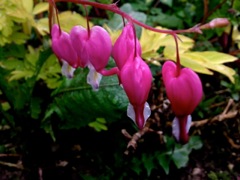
x: 176, y: 128
x: 67, y: 70
x: 94, y: 78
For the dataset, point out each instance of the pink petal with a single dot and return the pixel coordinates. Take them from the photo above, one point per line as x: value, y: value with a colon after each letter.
x: 184, y: 91
x: 62, y: 46
x: 123, y: 48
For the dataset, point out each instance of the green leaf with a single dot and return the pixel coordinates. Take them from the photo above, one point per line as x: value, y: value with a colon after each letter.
x: 167, y: 2
x: 11, y: 64
x: 180, y: 156
x: 136, y: 166
x: 35, y: 107
x: 20, y: 91
x: 116, y: 22
x: 164, y: 160
x: 79, y: 105
x: 148, y: 163
x: 99, y: 124
x: 15, y: 75
x: 195, y: 143
x: 181, y: 153
x: 51, y: 72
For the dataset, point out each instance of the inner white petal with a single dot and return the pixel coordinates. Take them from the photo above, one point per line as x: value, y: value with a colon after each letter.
x: 131, y: 112
x: 189, y: 122
x: 67, y: 70
x: 93, y: 78
x: 146, y: 112
x: 176, y: 128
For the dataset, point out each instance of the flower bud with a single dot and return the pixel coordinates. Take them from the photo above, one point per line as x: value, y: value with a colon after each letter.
x: 216, y: 23
x: 136, y: 80
x: 124, y: 46
x: 62, y: 46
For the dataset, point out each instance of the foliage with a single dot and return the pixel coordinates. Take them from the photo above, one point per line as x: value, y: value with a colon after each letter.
x: 39, y: 106
x: 75, y: 98
x: 172, y: 152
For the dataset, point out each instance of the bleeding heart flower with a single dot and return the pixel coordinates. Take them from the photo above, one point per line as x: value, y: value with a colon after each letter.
x: 184, y: 90
x: 124, y: 46
x: 94, y: 48
x: 63, y: 49
x: 136, y: 80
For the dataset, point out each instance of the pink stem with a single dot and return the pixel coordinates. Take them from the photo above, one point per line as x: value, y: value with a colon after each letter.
x: 177, y: 55
x: 183, y: 133
x: 88, y: 27
x: 109, y: 72
x: 135, y: 39
x: 139, y: 117
x: 115, y: 9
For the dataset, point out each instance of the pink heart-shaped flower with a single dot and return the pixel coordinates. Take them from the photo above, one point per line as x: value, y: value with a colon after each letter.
x: 136, y: 80
x: 62, y: 46
x: 124, y: 47
x: 93, y: 47
x: 184, y: 90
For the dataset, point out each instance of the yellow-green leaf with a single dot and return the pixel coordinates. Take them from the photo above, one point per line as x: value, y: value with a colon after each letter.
x: 28, y: 5
x: 216, y: 57
x: 150, y: 42
x: 40, y: 7
x: 113, y: 34
x: 203, y: 62
x: 15, y: 75
x: 184, y: 43
x: 186, y: 60
x: 67, y: 19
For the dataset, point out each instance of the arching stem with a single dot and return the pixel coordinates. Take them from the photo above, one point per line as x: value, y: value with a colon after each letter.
x: 177, y: 54
x: 53, y: 11
x: 88, y: 26
x: 115, y: 9
x: 135, y: 39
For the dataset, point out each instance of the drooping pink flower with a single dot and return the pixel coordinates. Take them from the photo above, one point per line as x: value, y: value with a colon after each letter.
x: 124, y: 46
x: 136, y: 80
x: 94, y: 48
x: 184, y: 90
x: 63, y: 49
x: 62, y: 46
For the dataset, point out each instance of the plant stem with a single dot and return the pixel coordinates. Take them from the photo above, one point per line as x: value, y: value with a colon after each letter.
x: 88, y: 27
x: 115, y: 9
x: 177, y: 55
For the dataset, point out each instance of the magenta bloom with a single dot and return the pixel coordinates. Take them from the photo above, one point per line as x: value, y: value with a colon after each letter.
x: 63, y: 49
x: 93, y: 48
x: 136, y: 80
x: 83, y: 48
x: 124, y: 46
x: 184, y: 90
x: 62, y: 46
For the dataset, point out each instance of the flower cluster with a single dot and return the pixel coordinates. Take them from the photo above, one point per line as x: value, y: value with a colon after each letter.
x: 92, y: 48
x: 82, y: 48
x: 134, y: 74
